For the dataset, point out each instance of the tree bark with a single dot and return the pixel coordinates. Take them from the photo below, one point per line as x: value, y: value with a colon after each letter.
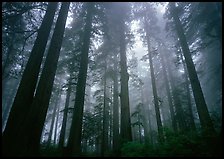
x: 53, y: 120
x: 156, y: 102
x: 126, y: 134
x: 205, y: 120
x: 105, y: 115
x: 179, y: 116
x: 35, y: 121
x: 64, y: 120
x: 25, y: 92
x: 115, y: 110
x: 172, y: 114
x: 74, y: 141
x: 56, y: 126
x: 145, y: 119
x: 191, y: 116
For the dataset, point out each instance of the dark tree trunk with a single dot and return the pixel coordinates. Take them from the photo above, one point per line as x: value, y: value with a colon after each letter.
x: 115, y: 110
x: 105, y: 115
x: 206, y: 122
x: 35, y: 121
x: 126, y: 134
x: 64, y: 120
x: 188, y: 95
x: 139, y: 128
x: 53, y: 119
x: 172, y: 114
x: 74, y: 141
x: 156, y: 102
x: 25, y: 92
x: 179, y: 116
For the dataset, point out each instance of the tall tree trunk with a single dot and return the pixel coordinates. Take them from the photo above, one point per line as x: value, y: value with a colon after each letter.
x: 53, y: 119
x: 64, y: 120
x: 145, y: 119
x: 179, y: 116
x: 56, y: 126
x: 74, y: 141
x: 188, y: 95
x: 172, y: 114
x: 115, y: 110
x: 126, y: 134
x: 139, y: 128
x: 25, y: 92
x: 8, y: 102
x: 33, y: 127
x: 7, y: 60
x: 105, y: 115
x: 205, y: 120
x: 156, y: 102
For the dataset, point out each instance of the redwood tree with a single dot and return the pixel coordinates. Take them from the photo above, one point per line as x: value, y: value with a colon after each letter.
x: 74, y: 141
x: 205, y: 119
x: 25, y: 92
x: 32, y: 129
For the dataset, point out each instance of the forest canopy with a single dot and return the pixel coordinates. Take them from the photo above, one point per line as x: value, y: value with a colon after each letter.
x: 112, y: 79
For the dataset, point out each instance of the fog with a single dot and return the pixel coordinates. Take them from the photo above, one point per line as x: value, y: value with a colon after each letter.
x: 114, y: 79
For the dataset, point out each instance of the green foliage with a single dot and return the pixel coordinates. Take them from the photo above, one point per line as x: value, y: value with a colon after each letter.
x: 180, y: 144
x: 133, y: 149
x: 51, y: 151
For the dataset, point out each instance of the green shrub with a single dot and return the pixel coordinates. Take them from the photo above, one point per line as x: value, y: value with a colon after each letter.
x: 133, y: 149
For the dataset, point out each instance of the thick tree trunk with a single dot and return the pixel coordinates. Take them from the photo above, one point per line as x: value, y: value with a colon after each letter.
x: 206, y: 122
x: 53, y: 119
x: 25, y: 92
x: 64, y: 120
x: 35, y: 121
x: 156, y: 102
x: 126, y: 134
x: 115, y: 110
x: 188, y: 95
x: 172, y: 114
x: 74, y: 141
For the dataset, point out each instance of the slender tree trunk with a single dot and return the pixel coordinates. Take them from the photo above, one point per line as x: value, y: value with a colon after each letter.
x: 206, y: 122
x: 74, y: 141
x: 156, y: 102
x: 53, y: 119
x: 105, y: 116
x: 139, y: 128
x: 191, y: 116
x: 33, y: 127
x: 115, y: 110
x: 145, y: 118
x: 172, y: 114
x: 179, y: 116
x: 7, y: 60
x: 218, y: 28
x: 8, y: 103
x: 126, y: 134
x: 25, y: 92
x: 56, y: 126
x: 64, y: 120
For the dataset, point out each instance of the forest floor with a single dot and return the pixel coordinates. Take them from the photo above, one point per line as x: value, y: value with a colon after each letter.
x: 178, y: 145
